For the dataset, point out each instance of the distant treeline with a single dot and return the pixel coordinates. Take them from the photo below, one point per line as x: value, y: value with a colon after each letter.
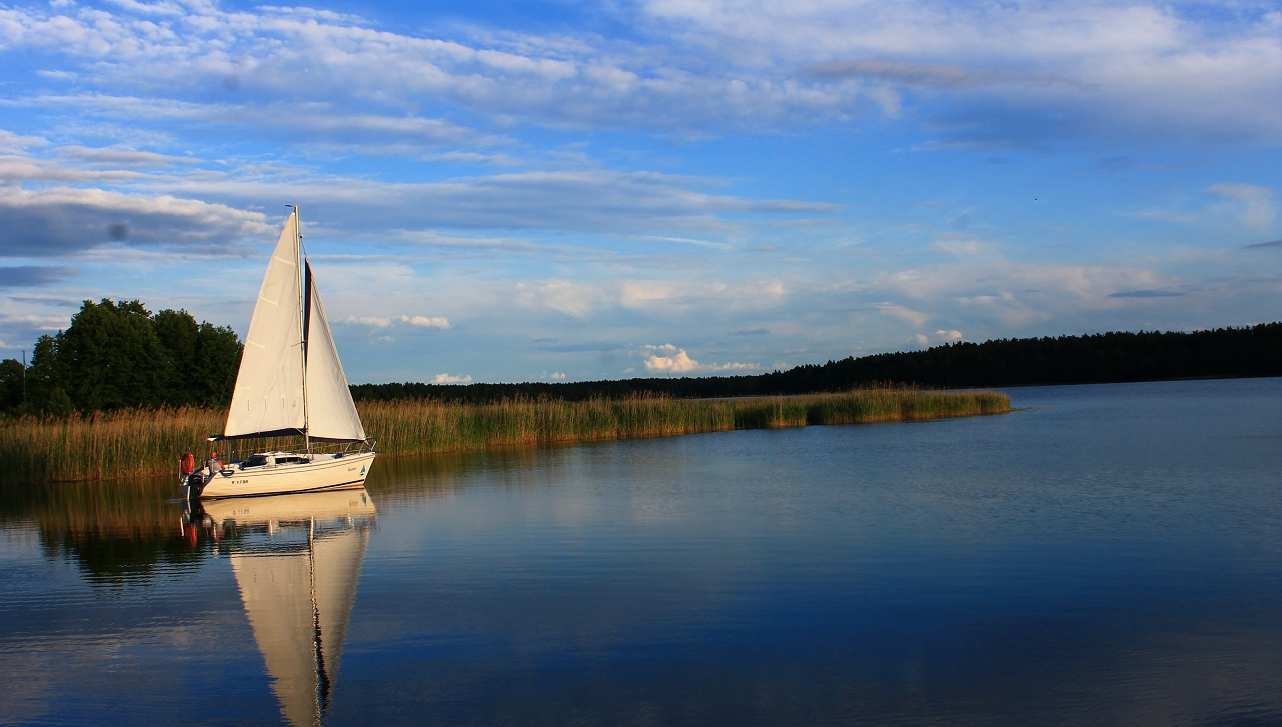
x: 1104, y: 357
x: 119, y: 355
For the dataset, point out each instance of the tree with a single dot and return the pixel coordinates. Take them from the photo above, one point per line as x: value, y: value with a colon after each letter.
x: 46, y: 375
x: 12, y: 380
x: 113, y: 357
x: 213, y: 372
x: 177, y: 333
x: 116, y: 354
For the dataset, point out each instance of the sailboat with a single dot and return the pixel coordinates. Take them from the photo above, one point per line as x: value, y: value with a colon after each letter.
x: 296, y: 559
x: 290, y: 382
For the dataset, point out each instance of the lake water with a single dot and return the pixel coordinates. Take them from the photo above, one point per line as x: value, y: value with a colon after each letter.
x: 1107, y: 554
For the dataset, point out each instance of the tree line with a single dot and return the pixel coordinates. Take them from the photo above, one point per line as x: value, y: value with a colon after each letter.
x: 1103, y: 357
x: 117, y: 354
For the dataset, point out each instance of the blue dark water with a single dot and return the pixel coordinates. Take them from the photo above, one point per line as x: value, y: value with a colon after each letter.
x: 1108, y: 555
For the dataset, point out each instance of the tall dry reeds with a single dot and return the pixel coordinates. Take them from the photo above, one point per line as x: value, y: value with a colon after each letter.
x: 141, y: 443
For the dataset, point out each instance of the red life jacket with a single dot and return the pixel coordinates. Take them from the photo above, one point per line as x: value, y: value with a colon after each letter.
x: 189, y: 463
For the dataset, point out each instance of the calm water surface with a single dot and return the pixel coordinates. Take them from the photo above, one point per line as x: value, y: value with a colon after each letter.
x: 1108, y: 554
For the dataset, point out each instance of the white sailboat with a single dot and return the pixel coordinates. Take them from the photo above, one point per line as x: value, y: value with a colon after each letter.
x: 296, y: 560
x: 290, y: 382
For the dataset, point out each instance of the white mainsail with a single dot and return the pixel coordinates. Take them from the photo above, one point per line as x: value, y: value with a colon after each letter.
x: 331, y: 414
x: 268, y: 397
x: 290, y: 378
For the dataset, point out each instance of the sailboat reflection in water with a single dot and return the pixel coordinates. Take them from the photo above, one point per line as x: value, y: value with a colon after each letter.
x: 296, y: 559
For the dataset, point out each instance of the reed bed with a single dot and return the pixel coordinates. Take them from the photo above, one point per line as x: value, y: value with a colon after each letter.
x: 142, y: 443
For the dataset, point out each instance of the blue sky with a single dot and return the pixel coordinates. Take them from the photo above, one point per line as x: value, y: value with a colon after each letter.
x: 567, y: 191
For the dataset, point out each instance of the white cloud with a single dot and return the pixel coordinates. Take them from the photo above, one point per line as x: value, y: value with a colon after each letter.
x: 1107, y: 68
x: 11, y: 142
x: 594, y: 202
x: 589, y: 81
x: 948, y: 336
x: 558, y: 376
x: 904, y: 313
x: 707, y: 65
x: 315, y: 121
x: 452, y: 379
x: 563, y: 296
x: 668, y: 359
x: 675, y: 295
x: 417, y: 321
x: 370, y: 321
x: 110, y: 156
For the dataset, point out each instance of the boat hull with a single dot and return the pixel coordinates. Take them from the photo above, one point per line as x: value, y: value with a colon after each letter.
x: 321, y: 474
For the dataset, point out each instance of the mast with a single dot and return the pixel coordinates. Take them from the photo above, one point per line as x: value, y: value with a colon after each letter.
x: 302, y: 317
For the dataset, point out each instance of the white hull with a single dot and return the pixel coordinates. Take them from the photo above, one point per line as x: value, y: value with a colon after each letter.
x: 324, y: 472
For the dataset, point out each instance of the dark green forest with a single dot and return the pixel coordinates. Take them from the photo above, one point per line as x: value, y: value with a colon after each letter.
x: 118, y: 354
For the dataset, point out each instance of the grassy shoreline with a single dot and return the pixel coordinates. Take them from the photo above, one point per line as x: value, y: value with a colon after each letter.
x: 142, y: 443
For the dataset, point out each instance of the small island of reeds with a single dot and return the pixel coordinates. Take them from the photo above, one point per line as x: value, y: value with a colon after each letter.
x: 148, y: 442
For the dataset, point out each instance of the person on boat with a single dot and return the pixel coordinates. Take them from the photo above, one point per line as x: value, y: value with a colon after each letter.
x: 188, y: 463
x: 213, y: 463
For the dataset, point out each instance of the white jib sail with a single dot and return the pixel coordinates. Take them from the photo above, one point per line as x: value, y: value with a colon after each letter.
x: 269, y: 386
x: 331, y: 414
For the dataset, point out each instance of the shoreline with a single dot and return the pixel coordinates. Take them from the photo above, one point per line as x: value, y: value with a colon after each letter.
x: 147, y: 443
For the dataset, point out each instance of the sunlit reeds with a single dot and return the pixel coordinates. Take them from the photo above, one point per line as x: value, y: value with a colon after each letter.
x: 149, y: 442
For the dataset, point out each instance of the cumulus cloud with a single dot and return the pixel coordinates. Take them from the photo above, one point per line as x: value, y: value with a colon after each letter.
x: 452, y: 379
x: 417, y: 321
x: 558, y: 376
x: 668, y: 359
